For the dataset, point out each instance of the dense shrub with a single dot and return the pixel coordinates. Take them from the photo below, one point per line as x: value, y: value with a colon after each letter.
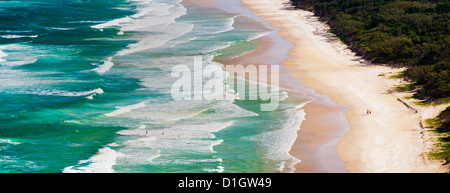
x: 415, y: 34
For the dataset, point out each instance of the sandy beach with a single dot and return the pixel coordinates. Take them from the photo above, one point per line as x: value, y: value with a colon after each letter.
x: 390, y: 139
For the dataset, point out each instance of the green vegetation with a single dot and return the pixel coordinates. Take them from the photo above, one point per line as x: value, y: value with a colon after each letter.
x: 445, y: 118
x: 436, y: 122
x: 415, y: 34
x: 411, y: 33
x: 404, y: 88
x: 397, y: 76
x: 444, y: 141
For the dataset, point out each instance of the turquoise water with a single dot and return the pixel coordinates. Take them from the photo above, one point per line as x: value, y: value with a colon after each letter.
x: 85, y: 86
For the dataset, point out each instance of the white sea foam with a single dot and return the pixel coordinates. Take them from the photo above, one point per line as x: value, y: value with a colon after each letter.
x: 18, y: 36
x: 182, y: 41
x: 146, y: 24
x: 214, y: 26
x: 196, y: 146
x: 106, y: 66
x: 68, y: 94
x: 137, y: 156
x: 2, y: 55
x: 16, y: 31
x: 133, y: 132
x: 164, y: 33
x: 15, y: 57
x: 149, y: 13
x: 113, y: 23
x: 142, y: 12
x: 85, y: 93
x: 178, y: 118
x: 258, y: 35
x: 191, y: 161
x: 94, y: 93
x: 17, y: 47
x: 61, y: 28
x: 228, y: 25
x: 9, y: 141
x: 152, y: 8
x: 125, y: 109
x: 88, y: 94
x: 153, y: 143
x: 102, y: 162
x: 19, y: 63
x: 195, y: 131
x: 219, y: 169
x: 72, y: 121
x: 217, y: 47
x: 16, y: 163
x: 88, y: 21
x: 144, y: 142
x: 279, y: 142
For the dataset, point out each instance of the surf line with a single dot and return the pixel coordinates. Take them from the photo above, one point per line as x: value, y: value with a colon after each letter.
x: 190, y: 84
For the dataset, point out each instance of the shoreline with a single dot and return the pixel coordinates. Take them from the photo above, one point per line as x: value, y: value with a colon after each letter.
x: 388, y: 140
x: 271, y: 49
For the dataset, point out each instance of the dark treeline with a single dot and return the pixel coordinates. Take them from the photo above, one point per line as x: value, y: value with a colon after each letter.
x: 412, y: 33
x: 407, y: 33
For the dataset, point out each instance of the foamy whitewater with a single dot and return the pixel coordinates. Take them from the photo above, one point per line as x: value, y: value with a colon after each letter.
x: 88, y: 93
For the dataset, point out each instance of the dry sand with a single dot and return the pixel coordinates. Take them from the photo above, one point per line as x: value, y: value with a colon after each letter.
x: 388, y: 140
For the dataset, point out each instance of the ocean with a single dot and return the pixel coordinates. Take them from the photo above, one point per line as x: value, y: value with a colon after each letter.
x: 85, y: 86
